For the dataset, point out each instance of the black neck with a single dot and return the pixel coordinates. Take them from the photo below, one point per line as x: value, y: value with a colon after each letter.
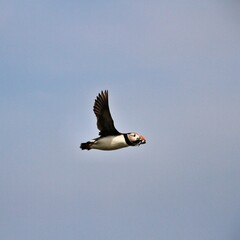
x: 127, y: 140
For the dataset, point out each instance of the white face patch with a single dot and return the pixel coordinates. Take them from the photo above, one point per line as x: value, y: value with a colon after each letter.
x: 133, y: 137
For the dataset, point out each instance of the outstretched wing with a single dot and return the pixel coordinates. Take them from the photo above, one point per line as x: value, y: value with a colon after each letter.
x: 104, y: 119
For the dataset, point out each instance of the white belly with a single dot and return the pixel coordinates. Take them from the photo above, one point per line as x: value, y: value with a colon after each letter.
x: 110, y: 143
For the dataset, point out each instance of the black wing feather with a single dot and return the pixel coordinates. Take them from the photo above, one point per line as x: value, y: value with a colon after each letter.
x: 104, y: 119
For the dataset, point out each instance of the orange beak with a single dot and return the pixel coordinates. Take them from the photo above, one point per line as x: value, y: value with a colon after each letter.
x: 143, y: 139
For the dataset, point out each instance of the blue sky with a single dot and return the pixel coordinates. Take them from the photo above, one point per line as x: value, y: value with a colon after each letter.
x: 172, y: 71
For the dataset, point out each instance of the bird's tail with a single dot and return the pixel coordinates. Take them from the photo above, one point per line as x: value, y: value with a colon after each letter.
x: 86, y: 146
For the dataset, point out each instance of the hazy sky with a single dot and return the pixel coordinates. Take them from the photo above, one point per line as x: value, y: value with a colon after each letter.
x: 172, y: 71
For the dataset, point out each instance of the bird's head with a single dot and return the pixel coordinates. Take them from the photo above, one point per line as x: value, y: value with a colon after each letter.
x: 136, y: 139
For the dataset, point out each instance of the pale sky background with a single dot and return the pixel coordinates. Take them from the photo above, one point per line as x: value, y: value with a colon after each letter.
x: 172, y: 71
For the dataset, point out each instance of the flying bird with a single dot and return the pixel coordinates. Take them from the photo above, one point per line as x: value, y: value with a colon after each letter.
x: 110, y: 138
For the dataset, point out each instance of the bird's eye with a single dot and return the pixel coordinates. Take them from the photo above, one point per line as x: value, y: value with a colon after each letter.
x: 134, y: 135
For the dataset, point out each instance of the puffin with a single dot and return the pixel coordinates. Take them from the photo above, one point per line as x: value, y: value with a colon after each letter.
x: 109, y: 137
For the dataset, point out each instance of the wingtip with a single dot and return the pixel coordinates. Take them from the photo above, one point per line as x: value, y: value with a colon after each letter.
x: 104, y: 92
